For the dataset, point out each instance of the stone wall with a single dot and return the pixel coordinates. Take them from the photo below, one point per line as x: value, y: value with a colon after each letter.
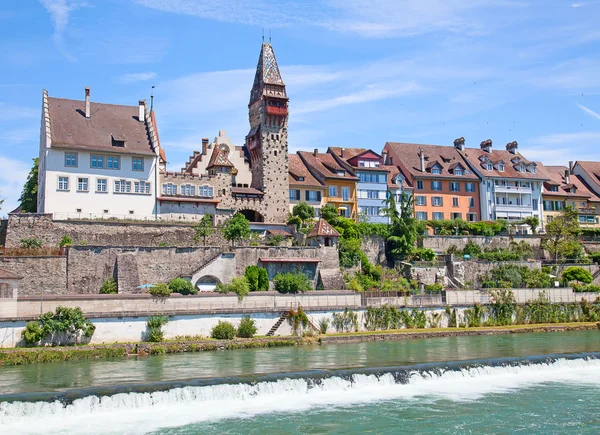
x: 468, y: 272
x: 3, y: 227
x: 443, y: 243
x: 374, y: 249
x: 40, y: 274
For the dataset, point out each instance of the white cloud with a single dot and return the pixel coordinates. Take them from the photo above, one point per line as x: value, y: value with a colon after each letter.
x: 589, y: 111
x: 560, y: 148
x: 136, y: 77
x: 580, y: 73
x: 59, y: 11
x: 13, y: 174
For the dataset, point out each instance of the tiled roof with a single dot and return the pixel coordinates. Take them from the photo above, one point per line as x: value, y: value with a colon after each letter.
x: 478, y: 158
x: 220, y: 157
x: 246, y: 191
x: 299, y: 170
x: 325, y: 165
x: 324, y: 229
x: 283, y: 233
x: 406, y: 156
x: 348, y: 152
x: 592, y: 168
x: 556, y: 174
x: 393, y: 173
x: 71, y: 129
x: 5, y: 274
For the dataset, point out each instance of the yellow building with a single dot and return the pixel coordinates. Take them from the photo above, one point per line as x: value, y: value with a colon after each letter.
x: 339, y: 184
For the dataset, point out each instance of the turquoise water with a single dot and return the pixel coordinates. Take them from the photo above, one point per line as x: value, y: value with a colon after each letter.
x: 484, y: 384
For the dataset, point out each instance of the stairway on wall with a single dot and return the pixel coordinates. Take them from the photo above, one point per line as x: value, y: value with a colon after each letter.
x: 277, y: 324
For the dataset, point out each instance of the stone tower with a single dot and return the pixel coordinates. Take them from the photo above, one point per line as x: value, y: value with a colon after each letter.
x: 267, y: 140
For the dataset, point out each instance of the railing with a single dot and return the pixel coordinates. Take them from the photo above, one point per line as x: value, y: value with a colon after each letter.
x: 512, y: 189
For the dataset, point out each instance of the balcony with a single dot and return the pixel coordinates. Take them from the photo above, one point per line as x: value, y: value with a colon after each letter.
x: 280, y: 111
x: 586, y: 210
x: 512, y: 189
x: 525, y: 208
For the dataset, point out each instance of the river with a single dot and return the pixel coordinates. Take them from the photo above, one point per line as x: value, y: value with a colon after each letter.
x: 526, y: 383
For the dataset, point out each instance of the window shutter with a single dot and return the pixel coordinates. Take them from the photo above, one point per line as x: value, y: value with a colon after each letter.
x: 441, y: 201
x: 306, y: 195
x: 318, y: 196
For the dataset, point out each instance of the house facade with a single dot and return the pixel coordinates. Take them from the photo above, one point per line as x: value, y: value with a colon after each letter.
x: 589, y: 174
x: 511, y: 185
x: 304, y: 187
x: 372, y: 187
x: 97, y: 160
x: 566, y: 189
x: 442, y: 184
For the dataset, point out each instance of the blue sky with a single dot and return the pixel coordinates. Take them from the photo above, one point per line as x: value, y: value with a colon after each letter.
x: 358, y: 72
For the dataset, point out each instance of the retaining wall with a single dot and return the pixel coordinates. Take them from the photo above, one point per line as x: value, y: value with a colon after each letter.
x: 443, y: 243
x: 47, y: 274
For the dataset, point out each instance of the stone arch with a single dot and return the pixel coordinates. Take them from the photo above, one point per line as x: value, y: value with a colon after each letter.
x: 207, y: 283
x: 252, y: 215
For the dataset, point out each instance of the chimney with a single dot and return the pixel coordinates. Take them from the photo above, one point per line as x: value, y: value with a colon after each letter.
x: 422, y: 158
x: 459, y: 144
x: 204, y: 145
x: 571, y: 166
x: 342, y: 153
x: 142, y: 111
x: 567, y: 176
x: 384, y: 155
x: 486, y: 145
x: 512, y: 147
x: 87, y: 102
x: 316, y: 152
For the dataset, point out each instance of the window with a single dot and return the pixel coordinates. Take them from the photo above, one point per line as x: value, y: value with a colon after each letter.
x: 436, y: 170
x: 454, y: 201
x: 455, y: 216
x: 97, y: 161
x: 300, y: 178
x: 489, y: 166
x: 63, y: 183
x: 421, y: 215
x: 454, y: 186
x: 421, y: 200
x: 275, y: 153
x: 71, y: 160
x: 501, y: 167
x: 101, y: 185
x: 367, y: 177
x: 122, y: 186
x: 471, y: 202
x: 137, y: 164
x: 470, y: 187
x: 368, y: 164
x: 207, y: 192
x: 340, y: 173
x: 82, y: 184
x: 458, y: 171
x: 141, y: 187
x: 169, y: 189
x: 187, y: 190
x: 333, y: 191
x: 438, y: 216
x: 472, y: 217
x: 534, y: 204
x: 582, y: 204
x: 346, y: 193
x: 419, y: 184
x: 113, y: 162
x: 294, y: 195
x: 437, y: 201
x: 313, y: 195
x: 436, y: 185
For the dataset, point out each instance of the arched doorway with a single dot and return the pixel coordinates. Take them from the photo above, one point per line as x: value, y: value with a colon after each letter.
x: 252, y: 215
x: 207, y: 283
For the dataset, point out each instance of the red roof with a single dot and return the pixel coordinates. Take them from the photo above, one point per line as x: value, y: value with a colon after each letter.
x: 325, y: 165
x: 556, y: 174
x: 246, y: 191
x: 323, y: 229
x: 478, y: 158
x: 283, y: 233
x: 300, y: 175
x: 220, y: 157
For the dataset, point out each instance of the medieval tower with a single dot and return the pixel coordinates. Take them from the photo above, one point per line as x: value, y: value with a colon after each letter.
x: 267, y: 140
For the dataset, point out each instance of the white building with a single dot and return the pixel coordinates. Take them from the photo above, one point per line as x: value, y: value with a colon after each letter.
x: 97, y: 160
x: 511, y: 186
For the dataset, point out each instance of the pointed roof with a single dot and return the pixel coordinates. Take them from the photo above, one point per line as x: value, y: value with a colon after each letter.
x: 267, y: 73
x: 220, y: 157
x: 324, y: 229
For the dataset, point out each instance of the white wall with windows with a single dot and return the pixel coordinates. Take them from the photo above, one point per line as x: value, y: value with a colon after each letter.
x: 91, y: 185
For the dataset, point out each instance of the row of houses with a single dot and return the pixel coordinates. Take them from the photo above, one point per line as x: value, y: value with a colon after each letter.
x: 106, y: 161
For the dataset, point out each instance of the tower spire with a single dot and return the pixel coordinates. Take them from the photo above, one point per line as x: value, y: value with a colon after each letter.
x: 267, y: 73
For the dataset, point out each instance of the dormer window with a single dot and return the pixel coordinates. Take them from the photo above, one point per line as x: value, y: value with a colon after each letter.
x: 341, y: 173
x: 501, y: 167
x: 522, y: 167
x: 300, y: 178
x: 573, y: 189
x: 118, y: 141
x: 489, y: 166
x: 458, y: 171
x: 436, y: 170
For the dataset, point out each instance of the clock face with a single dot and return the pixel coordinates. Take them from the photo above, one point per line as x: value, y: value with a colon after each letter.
x: 223, y: 150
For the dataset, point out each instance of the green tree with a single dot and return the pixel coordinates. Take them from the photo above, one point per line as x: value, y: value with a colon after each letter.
x: 401, y: 242
x: 28, y: 198
x: 203, y: 229
x: 560, y: 239
x: 182, y: 286
x: 263, y: 279
x: 533, y: 222
x: 330, y: 214
x: 236, y: 228
x: 303, y: 211
x: 251, y: 274
x: 575, y: 273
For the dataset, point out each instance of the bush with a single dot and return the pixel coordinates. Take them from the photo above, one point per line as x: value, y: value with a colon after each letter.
x: 275, y: 240
x: 160, y: 291
x: 61, y: 327
x: 246, y: 328
x: 263, y: 279
x: 575, y: 273
x: 223, y: 331
x: 239, y: 286
x: 423, y: 254
x: 292, y: 282
x: 109, y: 287
x: 32, y: 333
x: 257, y: 277
x: 323, y: 325
x: 31, y: 243
x: 182, y: 286
x: 65, y: 241
x: 433, y: 288
x: 472, y: 249
x: 155, y: 324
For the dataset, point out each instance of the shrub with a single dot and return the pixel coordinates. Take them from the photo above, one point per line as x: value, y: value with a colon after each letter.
x: 433, y: 288
x: 297, y: 319
x: 31, y: 243
x: 595, y: 257
x: 345, y: 321
x: 239, y: 286
x: 182, y: 286
x: 472, y: 249
x: 292, y: 282
x: 575, y: 273
x: 61, y: 327
x: 155, y: 324
x: 32, y: 333
x: 160, y: 291
x: 275, y: 240
x: 246, y: 328
x: 65, y: 241
x: 251, y: 275
x: 323, y: 325
x: 423, y: 254
x: 263, y: 279
x: 223, y: 331
x: 109, y: 287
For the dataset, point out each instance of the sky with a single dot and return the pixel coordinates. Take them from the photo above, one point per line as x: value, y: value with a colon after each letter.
x: 358, y: 72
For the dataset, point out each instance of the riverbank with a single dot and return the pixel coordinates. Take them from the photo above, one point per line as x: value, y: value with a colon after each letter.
x: 18, y: 356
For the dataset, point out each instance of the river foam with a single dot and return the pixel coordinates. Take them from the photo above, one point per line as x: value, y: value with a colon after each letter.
x: 136, y: 413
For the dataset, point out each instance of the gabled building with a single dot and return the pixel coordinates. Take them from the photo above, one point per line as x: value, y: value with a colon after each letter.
x: 372, y: 176
x: 303, y: 186
x: 443, y: 185
x: 97, y: 160
x: 511, y: 185
x: 564, y: 189
x: 589, y: 174
x: 339, y: 182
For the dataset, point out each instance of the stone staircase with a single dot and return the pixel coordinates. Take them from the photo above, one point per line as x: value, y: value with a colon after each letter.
x: 277, y: 324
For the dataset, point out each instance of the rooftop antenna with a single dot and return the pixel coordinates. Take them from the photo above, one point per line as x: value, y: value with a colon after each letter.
x: 269, y: 36
x: 263, y: 36
x: 152, y: 100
